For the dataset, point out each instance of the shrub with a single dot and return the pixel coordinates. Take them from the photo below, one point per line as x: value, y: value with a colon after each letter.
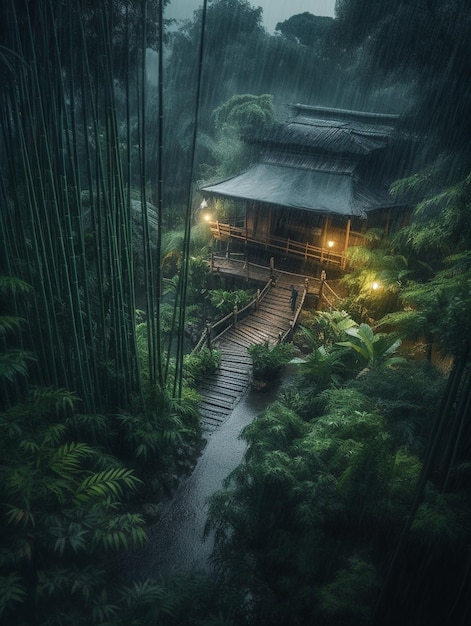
x: 198, y: 365
x: 268, y: 362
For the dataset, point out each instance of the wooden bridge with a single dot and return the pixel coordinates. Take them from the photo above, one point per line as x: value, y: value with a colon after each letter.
x: 268, y: 318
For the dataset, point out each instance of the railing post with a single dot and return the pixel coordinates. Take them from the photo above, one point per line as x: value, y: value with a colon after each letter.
x: 257, y: 300
x: 321, y: 288
x: 235, y: 315
x: 208, y: 334
x: 272, y: 266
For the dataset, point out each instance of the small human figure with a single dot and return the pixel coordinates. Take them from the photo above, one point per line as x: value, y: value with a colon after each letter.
x: 293, y: 298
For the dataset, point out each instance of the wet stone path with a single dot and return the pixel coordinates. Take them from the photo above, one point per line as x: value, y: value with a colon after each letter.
x: 176, y: 542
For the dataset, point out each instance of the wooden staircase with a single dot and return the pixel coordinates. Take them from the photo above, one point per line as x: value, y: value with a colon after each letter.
x: 221, y: 391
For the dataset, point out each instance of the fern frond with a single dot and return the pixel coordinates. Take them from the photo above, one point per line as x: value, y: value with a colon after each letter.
x: 67, y: 459
x: 13, y: 285
x: 107, y: 483
x: 12, y: 592
x: 14, y: 363
x: 9, y: 323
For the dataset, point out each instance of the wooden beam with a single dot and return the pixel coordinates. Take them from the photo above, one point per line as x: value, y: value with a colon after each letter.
x: 347, y: 237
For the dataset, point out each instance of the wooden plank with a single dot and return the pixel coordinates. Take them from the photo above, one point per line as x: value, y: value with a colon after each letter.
x: 236, y: 365
x: 237, y: 374
x: 253, y: 334
x: 265, y: 325
x: 209, y: 403
x: 217, y: 407
x: 218, y: 390
x: 219, y: 400
x: 268, y: 336
x: 210, y: 413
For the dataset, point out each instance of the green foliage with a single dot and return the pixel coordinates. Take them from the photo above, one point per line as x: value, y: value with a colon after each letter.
x: 323, y: 328
x: 268, y: 361
x: 323, y: 367
x: 407, y: 396
x: 197, y: 365
x: 426, y: 31
x: 225, y: 301
x: 440, y: 526
x: 349, y: 598
x: 61, y: 514
x: 441, y: 220
x: 13, y: 285
x: 149, y: 438
x: 244, y: 114
x: 380, y: 264
x: 310, y: 497
x: 306, y: 29
x: 14, y: 363
x: 374, y: 349
x: 12, y: 593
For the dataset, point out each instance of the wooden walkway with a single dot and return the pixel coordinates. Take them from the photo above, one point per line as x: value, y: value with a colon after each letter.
x: 272, y: 319
x: 270, y: 322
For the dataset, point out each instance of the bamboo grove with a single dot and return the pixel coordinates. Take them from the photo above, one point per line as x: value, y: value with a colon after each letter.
x: 75, y: 188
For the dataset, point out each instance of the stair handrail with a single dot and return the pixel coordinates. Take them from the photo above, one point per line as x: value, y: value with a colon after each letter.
x: 283, y: 337
x: 230, y: 320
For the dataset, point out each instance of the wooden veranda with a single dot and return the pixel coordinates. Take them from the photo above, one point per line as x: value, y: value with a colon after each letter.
x: 332, y: 254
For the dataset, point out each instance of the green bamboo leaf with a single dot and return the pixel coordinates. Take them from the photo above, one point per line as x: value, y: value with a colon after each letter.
x: 19, y: 516
x: 105, y: 483
x: 12, y: 592
x: 14, y: 363
x: 67, y: 459
x: 13, y: 284
x: 9, y: 323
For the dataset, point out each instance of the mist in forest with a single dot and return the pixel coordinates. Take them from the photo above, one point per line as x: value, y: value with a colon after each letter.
x: 352, y: 504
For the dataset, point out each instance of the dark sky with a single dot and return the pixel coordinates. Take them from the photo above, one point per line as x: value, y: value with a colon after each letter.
x: 274, y: 11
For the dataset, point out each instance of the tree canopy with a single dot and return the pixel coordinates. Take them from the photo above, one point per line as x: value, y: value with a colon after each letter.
x: 306, y: 28
x: 421, y: 43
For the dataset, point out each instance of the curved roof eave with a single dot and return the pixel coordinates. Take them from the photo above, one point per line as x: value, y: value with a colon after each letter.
x: 328, y: 193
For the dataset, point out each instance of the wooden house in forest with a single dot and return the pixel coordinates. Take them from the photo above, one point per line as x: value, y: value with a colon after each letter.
x: 321, y: 181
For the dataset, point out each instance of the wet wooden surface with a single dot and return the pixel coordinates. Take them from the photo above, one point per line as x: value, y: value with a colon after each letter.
x: 221, y: 391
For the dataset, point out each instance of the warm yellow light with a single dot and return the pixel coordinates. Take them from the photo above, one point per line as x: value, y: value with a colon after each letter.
x: 206, y: 217
x: 375, y: 286
x: 330, y: 244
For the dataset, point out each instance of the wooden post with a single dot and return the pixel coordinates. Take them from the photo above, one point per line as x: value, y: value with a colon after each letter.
x: 347, y: 237
x: 257, y: 300
x: 321, y: 289
x: 208, y: 334
x: 272, y: 266
x: 245, y: 224
x: 235, y: 312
